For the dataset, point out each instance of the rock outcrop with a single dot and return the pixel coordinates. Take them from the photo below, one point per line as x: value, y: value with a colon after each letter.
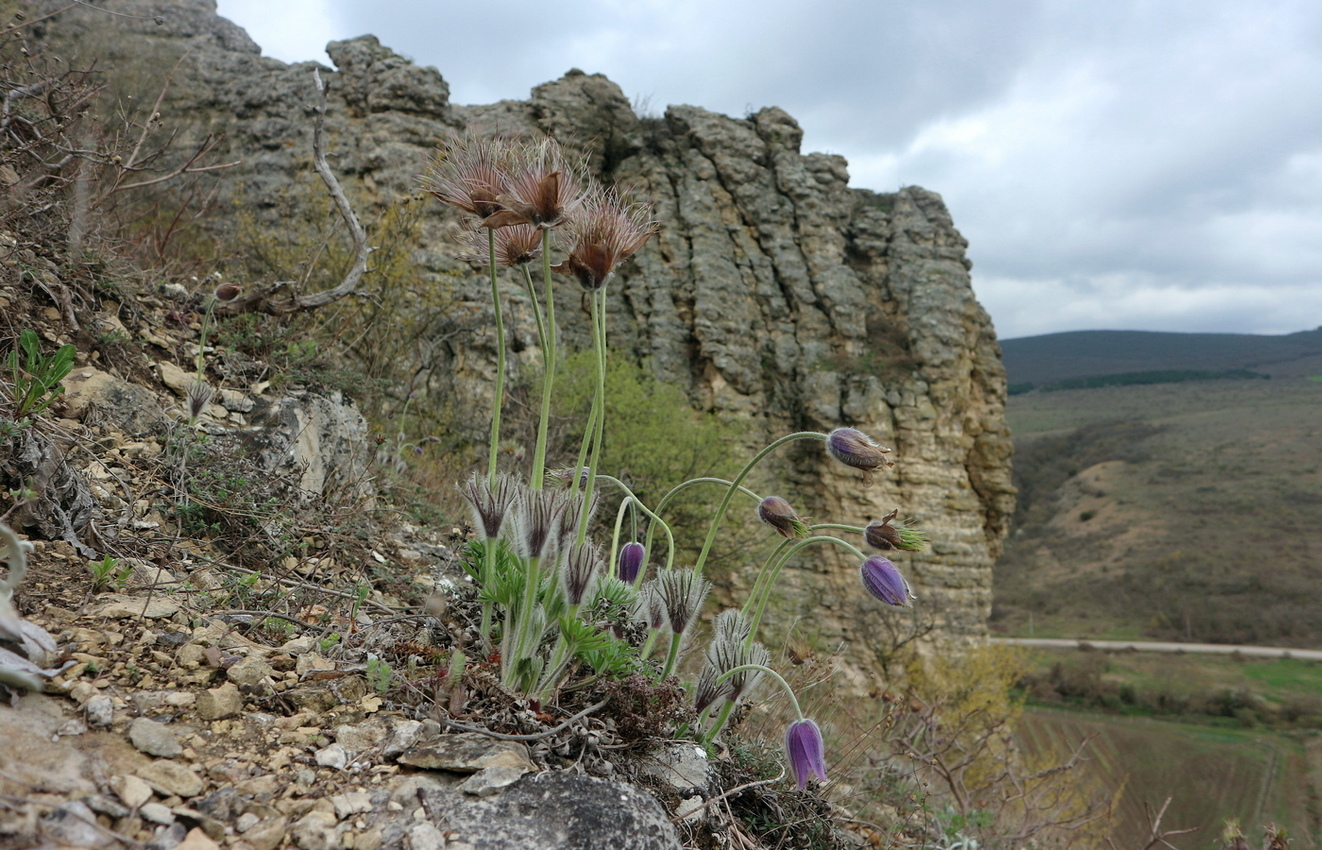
x: 774, y: 292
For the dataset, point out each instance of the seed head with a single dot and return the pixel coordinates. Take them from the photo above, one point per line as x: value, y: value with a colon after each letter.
x: 605, y: 233
x: 884, y: 534
x: 807, y: 753
x: 516, y: 245
x: 470, y: 173
x: 883, y: 580
x: 854, y: 448
x: 199, y: 396
x: 777, y: 513
x: 629, y: 565
x: 543, y: 187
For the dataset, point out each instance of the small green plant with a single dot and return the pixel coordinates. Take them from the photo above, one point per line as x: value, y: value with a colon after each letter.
x: 107, y: 572
x: 379, y: 675
x: 329, y: 642
x: 36, y: 379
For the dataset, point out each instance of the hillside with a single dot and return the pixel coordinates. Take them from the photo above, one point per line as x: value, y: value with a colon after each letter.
x: 1182, y: 511
x: 1038, y: 362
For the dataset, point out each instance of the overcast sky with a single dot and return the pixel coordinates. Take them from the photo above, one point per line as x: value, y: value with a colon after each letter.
x: 1122, y: 164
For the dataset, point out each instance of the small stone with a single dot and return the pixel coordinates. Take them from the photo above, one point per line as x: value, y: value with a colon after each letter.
x: 190, y: 655
x: 219, y: 703
x: 249, y: 672
x: 197, y: 839
x: 311, y: 662
x: 266, y: 835
x: 101, y: 804
x: 361, y: 737
x: 246, y: 821
x: 236, y: 401
x: 404, y: 736
x: 351, y: 803
x: 174, y: 377
x: 156, y: 813
x: 100, y: 710
x: 490, y: 780
x: 73, y: 824
x: 132, y: 790
x: 168, y: 838
x: 424, y: 836
x: 316, y: 831
x: 119, y: 606
x: 154, y: 739
x: 168, y: 778
x: 333, y: 756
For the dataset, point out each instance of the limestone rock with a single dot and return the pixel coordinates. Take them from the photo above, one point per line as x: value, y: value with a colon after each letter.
x: 467, y: 752
x: 555, y: 811
x: 154, y: 739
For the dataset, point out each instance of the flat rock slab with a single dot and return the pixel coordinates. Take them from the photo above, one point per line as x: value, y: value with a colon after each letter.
x: 467, y: 752
x: 555, y: 811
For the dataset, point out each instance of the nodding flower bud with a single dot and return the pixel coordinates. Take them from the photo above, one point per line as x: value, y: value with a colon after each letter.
x: 226, y: 291
x: 490, y: 505
x: 650, y: 607
x: 777, y: 513
x: 682, y: 591
x: 630, y: 563
x: 854, y: 448
x: 883, y: 534
x: 883, y: 580
x: 807, y: 753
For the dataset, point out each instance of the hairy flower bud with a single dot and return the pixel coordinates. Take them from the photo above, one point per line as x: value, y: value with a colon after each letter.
x: 629, y: 565
x: 807, y: 753
x: 883, y: 580
x: 581, y: 564
x: 854, y: 448
x: 682, y: 591
x: 199, y: 396
x: 490, y: 505
x: 777, y: 513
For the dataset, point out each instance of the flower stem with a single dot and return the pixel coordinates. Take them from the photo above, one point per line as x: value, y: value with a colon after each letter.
x: 598, y: 303
x: 773, y: 572
x: 548, y: 358
x: 785, y: 686
x: 500, y: 362
x: 734, y: 485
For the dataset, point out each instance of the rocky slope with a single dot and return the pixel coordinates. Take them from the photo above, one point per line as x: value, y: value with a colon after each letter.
x: 774, y: 291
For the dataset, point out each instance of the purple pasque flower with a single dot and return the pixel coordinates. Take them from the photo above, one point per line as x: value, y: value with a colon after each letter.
x: 807, y: 753
x: 777, y: 513
x: 853, y: 448
x: 605, y: 232
x: 883, y: 580
x: 630, y: 562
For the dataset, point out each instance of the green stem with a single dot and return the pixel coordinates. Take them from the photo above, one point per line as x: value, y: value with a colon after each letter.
x: 785, y: 686
x: 488, y: 571
x: 734, y: 485
x: 656, y: 520
x: 669, y: 497
x: 676, y: 638
x: 775, y: 572
x: 598, y: 303
x: 548, y: 358
x: 500, y: 362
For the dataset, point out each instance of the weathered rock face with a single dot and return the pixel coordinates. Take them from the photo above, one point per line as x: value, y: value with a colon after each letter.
x: 774, y: 291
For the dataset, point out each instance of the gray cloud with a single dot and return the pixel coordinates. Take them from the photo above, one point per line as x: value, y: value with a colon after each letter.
x: 1152, y: 164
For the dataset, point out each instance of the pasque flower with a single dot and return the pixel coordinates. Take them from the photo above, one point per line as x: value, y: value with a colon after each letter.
x: 605, y: 233
x: 630, y: 561
x: 884, y: 534
x: 469, y: 173
x: 807, y: 753
x: 517, y: 245
x: 542, y: 188
x: 883, y: 580
x: 777, y: 513
x: 490, y: 505
x: 854, y: 448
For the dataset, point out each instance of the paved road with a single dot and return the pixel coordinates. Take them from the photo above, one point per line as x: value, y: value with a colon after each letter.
x: 1154, y: 646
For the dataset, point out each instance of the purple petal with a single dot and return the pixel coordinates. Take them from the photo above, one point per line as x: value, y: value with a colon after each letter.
x: 630, y: 562
x: 803, y: 743
x: 883, y: 580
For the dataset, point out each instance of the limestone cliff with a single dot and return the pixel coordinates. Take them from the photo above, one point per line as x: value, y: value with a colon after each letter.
x: 774, y: 292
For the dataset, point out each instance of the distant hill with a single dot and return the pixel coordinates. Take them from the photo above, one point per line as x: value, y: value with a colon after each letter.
x: 1156, y: 357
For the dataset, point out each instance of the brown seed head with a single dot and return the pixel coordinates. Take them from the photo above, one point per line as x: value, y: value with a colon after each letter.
x: 606, y: 232
x: 470, y: 173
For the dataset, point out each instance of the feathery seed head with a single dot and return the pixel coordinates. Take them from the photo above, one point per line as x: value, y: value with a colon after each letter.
x: 605, y: 232
x: 470, y: 173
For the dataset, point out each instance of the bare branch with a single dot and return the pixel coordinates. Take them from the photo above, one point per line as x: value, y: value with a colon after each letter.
x: 262, y: 300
